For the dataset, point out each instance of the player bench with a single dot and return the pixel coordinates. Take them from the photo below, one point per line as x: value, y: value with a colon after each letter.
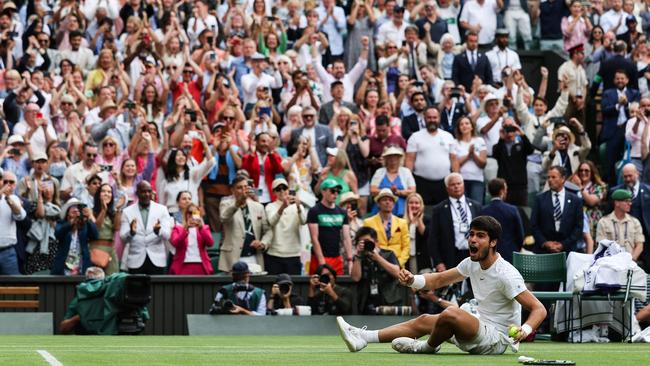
x: 28, y: 322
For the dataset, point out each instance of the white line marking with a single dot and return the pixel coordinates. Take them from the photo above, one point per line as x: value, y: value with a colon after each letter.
x: 49, y: 358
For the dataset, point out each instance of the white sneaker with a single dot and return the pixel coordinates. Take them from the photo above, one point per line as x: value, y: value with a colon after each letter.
x: 411, y: 345
x: 351, y: 335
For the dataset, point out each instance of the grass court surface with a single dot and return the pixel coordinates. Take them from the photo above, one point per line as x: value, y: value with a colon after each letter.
x: 303, y: 351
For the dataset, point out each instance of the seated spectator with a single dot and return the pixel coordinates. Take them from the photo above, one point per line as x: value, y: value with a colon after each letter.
x: 393, y: 230
x: 326, y: 297
x: 286, y: 217
x: 622, y: 227
x: 240, y: 297
x: 377, y: 271
x: 74, y: 231
x: 191, y: 238
x: 282, y: 295
x: 393, y: 176
x: 241, y: 211
x: 320, y: 136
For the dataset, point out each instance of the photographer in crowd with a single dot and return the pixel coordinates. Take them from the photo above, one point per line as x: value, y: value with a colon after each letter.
x: 282, y: 295
x: 376, y: 270
x: 73, y: 233
x: 240, y: 297
x: 326, y: 297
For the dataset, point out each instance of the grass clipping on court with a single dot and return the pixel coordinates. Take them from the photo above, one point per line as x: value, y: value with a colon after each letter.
x: 282, y: 351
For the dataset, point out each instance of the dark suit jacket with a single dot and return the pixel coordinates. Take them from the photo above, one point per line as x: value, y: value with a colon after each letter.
x: 441, y: 233
x: 617, y: 62
x: 610, y: 109
x: 327, y: 111
x: 641, y: 210
x: 543, y: 223
x: 512, y: 236
x: 324, y: 139
x: 462, y: 73
x: 410, y: 126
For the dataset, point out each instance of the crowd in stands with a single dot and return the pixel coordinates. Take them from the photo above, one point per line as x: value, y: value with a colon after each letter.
x: 317, y: 137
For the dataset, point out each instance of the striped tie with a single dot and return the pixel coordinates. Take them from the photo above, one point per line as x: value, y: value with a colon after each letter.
x: 463, y: 216
x: 557, y: 210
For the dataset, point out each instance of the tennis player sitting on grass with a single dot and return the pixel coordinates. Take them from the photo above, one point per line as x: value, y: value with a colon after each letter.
x: 498, y: 288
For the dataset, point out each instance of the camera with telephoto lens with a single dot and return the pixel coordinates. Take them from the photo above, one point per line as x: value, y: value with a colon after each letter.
x: 368, y: 246
x: 284, y: 288
x: 646, y: 112
x: 225, y: 305
x: 455, y: 92
x: 324, y: 279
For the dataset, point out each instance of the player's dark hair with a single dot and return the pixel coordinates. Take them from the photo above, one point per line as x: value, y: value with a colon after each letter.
x: 488, y: 224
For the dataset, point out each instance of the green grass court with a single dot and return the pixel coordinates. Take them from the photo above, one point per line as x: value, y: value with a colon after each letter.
x: 303, y: 351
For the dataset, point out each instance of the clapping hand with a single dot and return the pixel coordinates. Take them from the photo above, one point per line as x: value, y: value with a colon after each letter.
x: 156, y: 227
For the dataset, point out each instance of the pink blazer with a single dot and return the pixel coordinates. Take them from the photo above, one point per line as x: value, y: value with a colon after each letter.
x: 180, y: 241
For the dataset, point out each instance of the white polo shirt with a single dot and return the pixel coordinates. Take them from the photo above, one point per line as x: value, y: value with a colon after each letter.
x: 432, y: 153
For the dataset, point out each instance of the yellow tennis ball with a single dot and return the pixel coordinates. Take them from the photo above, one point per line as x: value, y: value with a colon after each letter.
x: 513, y: 331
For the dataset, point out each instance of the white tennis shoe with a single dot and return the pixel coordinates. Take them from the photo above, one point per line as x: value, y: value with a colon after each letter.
x: 411, y: 345
x: 351, y: 335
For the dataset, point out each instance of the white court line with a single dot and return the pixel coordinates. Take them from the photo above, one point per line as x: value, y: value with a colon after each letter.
x: 49, y: 358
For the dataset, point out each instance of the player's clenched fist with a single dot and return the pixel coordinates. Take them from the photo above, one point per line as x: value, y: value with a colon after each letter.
x: 405, y: 277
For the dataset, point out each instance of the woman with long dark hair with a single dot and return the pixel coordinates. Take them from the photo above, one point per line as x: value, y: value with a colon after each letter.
x: 108, y: 217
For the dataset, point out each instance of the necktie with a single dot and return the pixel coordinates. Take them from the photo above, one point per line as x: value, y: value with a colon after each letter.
x: 632, y: 192
x: 557, y: 210
x: 388, y: 228
x: 463, y: 216
x: 472, y: 59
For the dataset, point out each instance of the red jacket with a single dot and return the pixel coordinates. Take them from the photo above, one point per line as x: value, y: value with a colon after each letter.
x: 272, y: 167
x: 180, y: 241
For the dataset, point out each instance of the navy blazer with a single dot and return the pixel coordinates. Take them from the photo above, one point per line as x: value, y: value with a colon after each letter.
x: 610, y: 110
x: 609, y: 67
x: 462, y: 73
x: 543, y: 223
x: 324, y: 139
x: 63, y: 233
x: 641, y: 211
x: 410, y: 126
x: 512, y: 235
x: 442, y: 247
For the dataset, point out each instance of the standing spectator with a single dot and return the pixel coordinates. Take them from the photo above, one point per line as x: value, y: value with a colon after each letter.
x: 393, y: 30
x: 11, y: 211
x: 360, y: 23
x: 550, y: 21
x: 326, y: 297
x: 77, y: 173
x: 622, y: 227
x: 328, y: 110
x: 415, y: 121
x: 382, y: 138
x: 286, y: 218
x: 255, y: 79
x: 562, y: 230
x: 572, y: 73
x: 489, y: 127
x: 319, y: 136
x: 618, y: 61
x: 455, y: 104
x: 263, y: 163
x: 634, y: 132
x: 449, y: 11
x: 38, y: 130
x: 593, y: 191
x: 108, y: 217
x: 517, y: 20
x: 511, y: 154
x: 576, y: 27
x: 471, y: 64
x: 419, y: 258
x: 428, y: 157
x: 350, y: 203
x: 616, y: 113
x: 237, y: 212
x: 512, y: 234
x: 501, y: 56
x: 640, y: 206
x: 565, y: 152
x: 74, y: 231
x: 449, y: 228
x: 614, y: 18
x: 329, y: 228
x: 338, y: 169
x: 191, y: 238
x: 468, y: 157
x: 145, y: 227
x: 392, y: 230
x: 395, y: 177
x: 332, y: 22
x: 480, y: 17
x: 437, y: 25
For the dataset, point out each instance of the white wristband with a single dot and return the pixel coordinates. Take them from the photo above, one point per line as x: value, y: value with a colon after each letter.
x: 526, y: 329
x: 418, y: 282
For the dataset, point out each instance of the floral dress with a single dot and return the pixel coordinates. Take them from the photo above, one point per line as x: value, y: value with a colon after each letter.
x: 594, y: 213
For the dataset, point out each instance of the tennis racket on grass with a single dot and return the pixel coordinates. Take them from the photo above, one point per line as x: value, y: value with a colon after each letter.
x: 534, y: 361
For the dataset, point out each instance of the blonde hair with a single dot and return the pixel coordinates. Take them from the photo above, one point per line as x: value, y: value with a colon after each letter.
x: 407, y: 211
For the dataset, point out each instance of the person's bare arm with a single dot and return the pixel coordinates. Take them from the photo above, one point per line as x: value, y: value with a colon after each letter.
x: 410, y: 160
x: 537, y: 312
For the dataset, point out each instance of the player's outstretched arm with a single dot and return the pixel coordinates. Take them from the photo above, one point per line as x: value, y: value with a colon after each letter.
x: 430, y: 281
x: 537, y: 314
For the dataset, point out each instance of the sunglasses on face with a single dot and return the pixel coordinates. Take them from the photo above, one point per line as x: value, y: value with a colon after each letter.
x: 584, y: 170
x: 188, y: 71
x: 308, y: 116
x: 109, y: 144
x: 280, y: 188
x: 335, y: 190
x: 89, y: 155
x: 66, y: 103
x: 228, y: 118
x: 8, y: 181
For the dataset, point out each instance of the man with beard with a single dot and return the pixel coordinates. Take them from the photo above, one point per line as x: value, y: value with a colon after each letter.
x: 498, y: 288
x: 415, y: 122
x: 427, y: 156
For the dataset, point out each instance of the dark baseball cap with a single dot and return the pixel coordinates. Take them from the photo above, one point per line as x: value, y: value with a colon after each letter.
x: 240, y: 267
x: 283, y: 278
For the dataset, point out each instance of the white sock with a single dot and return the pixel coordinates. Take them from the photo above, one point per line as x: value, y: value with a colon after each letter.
x: 425, y: 347
x: 370, y: 336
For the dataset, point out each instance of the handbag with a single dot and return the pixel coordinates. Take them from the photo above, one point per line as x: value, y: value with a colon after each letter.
x: 99, y: 257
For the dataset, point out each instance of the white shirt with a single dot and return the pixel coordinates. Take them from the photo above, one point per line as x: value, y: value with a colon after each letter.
x: 611, y: 18
x: 499, y: 59
x: 560, y: 196
x: 492, y: 136
x: 485, y: 15
x: 495, y: 290
x: 249, y: 83
x: 450, y: 15
x: 210, y: 22
x: 460, y: 227
x: 333, y: 29
x: 432, y: 153
x: 348, y: 80
x: 38, y: 141
x: 168, y: 190
x: 622, y: 118
x: 390, y: 32
x: 8, y: 221
x: 286, y: 229
x: 469, y: 170
x: 192, y: 255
